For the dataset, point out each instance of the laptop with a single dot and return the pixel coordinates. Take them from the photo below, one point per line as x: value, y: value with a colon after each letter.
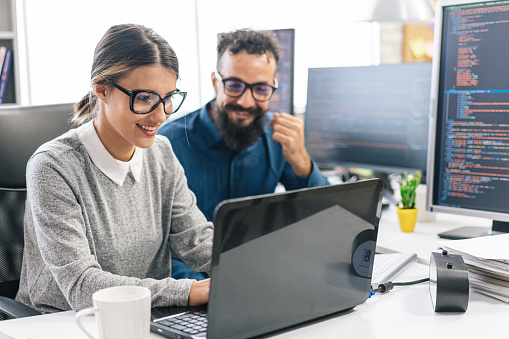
x: 282, y: 260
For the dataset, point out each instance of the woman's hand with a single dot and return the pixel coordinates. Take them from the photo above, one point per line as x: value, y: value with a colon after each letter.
x: 199, y: 293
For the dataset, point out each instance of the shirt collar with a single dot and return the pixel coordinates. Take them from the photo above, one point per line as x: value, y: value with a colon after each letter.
x: 114, y: 169
x: 211, y: 133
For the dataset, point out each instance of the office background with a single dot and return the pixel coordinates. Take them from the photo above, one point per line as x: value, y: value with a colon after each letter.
x: 57, y: 38
x: 57, y: 51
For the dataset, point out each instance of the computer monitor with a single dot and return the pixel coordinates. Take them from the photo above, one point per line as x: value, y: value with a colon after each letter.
x: 373, y: 117
x: 468, y: 169
x: 282, y: 100
x: 22, y: 130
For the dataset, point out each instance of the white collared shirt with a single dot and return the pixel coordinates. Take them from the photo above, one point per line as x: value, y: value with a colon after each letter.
x: 114, y: 169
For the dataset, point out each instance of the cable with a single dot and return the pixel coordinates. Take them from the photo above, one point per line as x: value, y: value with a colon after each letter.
x: 386, y: 287
x: 411, y: 282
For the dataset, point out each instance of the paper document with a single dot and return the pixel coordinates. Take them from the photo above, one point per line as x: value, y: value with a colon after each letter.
x: 490, y: 247
x: 487, y: 260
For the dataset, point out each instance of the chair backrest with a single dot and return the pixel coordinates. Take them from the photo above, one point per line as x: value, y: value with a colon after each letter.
x: 12, y: 209
x: 22, y: 130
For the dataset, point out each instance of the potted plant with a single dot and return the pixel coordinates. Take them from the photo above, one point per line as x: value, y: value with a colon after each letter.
x: 407, y: 212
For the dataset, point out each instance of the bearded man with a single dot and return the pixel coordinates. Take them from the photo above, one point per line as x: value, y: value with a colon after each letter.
x: 233, y: 147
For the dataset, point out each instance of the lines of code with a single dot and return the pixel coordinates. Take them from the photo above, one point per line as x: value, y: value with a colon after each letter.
x: 374, y: 117
x: 474, y: 107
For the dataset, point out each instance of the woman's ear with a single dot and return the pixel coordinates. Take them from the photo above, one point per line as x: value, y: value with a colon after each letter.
x: 100, y: 89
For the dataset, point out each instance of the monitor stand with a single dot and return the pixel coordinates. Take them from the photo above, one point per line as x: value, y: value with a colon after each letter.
x: 467, y: 232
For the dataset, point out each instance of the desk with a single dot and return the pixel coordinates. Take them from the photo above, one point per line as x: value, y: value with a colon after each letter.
x: 405, y: 312
x: 425, y: 235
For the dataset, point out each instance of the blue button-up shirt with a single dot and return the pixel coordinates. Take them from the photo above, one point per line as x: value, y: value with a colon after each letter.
x: 215, y: 172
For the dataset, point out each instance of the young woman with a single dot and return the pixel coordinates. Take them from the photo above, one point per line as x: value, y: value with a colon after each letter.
x: 107, y: 200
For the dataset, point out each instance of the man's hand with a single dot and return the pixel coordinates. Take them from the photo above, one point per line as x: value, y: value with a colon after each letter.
x: 199, y: 293
x: 289, y: 132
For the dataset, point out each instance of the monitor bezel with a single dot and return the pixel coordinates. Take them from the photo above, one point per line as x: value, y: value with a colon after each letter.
x: 375, y: 168
x: 433, y: 143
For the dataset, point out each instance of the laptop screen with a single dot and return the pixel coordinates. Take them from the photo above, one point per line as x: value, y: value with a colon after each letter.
x: 284, y: 259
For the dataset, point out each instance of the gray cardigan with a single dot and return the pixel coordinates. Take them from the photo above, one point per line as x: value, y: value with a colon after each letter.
x: 83, y: 232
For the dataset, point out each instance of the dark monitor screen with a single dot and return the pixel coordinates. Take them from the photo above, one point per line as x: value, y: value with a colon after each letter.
x: 373, y: 117
x: 469, y: 134
x: 22, y: 130
x: 282, y: 100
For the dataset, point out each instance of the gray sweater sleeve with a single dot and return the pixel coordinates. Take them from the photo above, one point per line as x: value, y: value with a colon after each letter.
x: 84, y: 233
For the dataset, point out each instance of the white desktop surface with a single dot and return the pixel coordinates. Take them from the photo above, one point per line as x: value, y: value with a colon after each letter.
x: 404, y: 312
x: 425, y: 235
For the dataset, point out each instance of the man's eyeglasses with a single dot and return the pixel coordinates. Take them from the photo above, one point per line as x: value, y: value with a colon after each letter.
x: 235, y: 88
x: 145, y: 101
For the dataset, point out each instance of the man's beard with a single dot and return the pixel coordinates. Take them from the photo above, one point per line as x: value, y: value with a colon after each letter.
x: 239, y: 137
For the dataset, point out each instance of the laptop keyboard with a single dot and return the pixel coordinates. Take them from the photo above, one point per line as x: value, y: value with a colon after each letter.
x: 194, y: 324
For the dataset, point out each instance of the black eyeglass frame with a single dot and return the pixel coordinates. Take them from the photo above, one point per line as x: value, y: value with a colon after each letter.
x: 248, y: 86
x: 132, y: 94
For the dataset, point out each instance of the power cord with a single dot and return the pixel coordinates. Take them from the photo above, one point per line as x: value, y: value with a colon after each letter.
x: 386, y: 287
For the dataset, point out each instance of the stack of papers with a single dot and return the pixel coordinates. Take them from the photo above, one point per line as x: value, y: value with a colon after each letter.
x: 487, y: 260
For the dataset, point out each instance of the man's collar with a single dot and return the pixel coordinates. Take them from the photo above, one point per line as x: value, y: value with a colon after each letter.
x: 211, y: 135
x: 114, y: 169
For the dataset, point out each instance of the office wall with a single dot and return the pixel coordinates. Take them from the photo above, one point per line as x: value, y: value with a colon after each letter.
x: 62, y: 35
x: 328, y: 33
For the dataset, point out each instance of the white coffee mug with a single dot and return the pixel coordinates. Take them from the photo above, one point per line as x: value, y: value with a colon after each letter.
x: 121, y: 312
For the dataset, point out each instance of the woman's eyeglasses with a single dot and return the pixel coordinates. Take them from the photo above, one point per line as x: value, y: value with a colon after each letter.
x: 145, y: 101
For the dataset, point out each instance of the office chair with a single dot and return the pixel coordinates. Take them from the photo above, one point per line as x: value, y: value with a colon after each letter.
x: 22, y: 130
x: 12, y: 208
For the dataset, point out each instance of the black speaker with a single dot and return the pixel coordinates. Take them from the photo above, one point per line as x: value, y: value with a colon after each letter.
x: 448, y: 282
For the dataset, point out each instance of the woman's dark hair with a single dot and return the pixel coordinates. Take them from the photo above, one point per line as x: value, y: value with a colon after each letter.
x: 253, y: 42
x: 122, y: 49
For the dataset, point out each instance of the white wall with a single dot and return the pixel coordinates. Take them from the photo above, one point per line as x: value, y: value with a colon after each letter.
x: 328, y: 33
x: 62, y: 35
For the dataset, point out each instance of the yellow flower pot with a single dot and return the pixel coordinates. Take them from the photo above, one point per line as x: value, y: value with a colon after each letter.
x: 407, y: 218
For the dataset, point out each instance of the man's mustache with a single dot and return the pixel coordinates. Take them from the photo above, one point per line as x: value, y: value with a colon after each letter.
x: 239, y: 108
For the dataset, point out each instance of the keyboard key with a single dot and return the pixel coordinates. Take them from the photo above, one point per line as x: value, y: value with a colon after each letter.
x: 179, y: 327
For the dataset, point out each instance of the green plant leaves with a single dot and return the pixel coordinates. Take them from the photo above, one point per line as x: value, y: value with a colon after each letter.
x: 408, y: 187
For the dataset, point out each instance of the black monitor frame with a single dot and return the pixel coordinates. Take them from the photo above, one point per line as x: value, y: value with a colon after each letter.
x: 454, y: 77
